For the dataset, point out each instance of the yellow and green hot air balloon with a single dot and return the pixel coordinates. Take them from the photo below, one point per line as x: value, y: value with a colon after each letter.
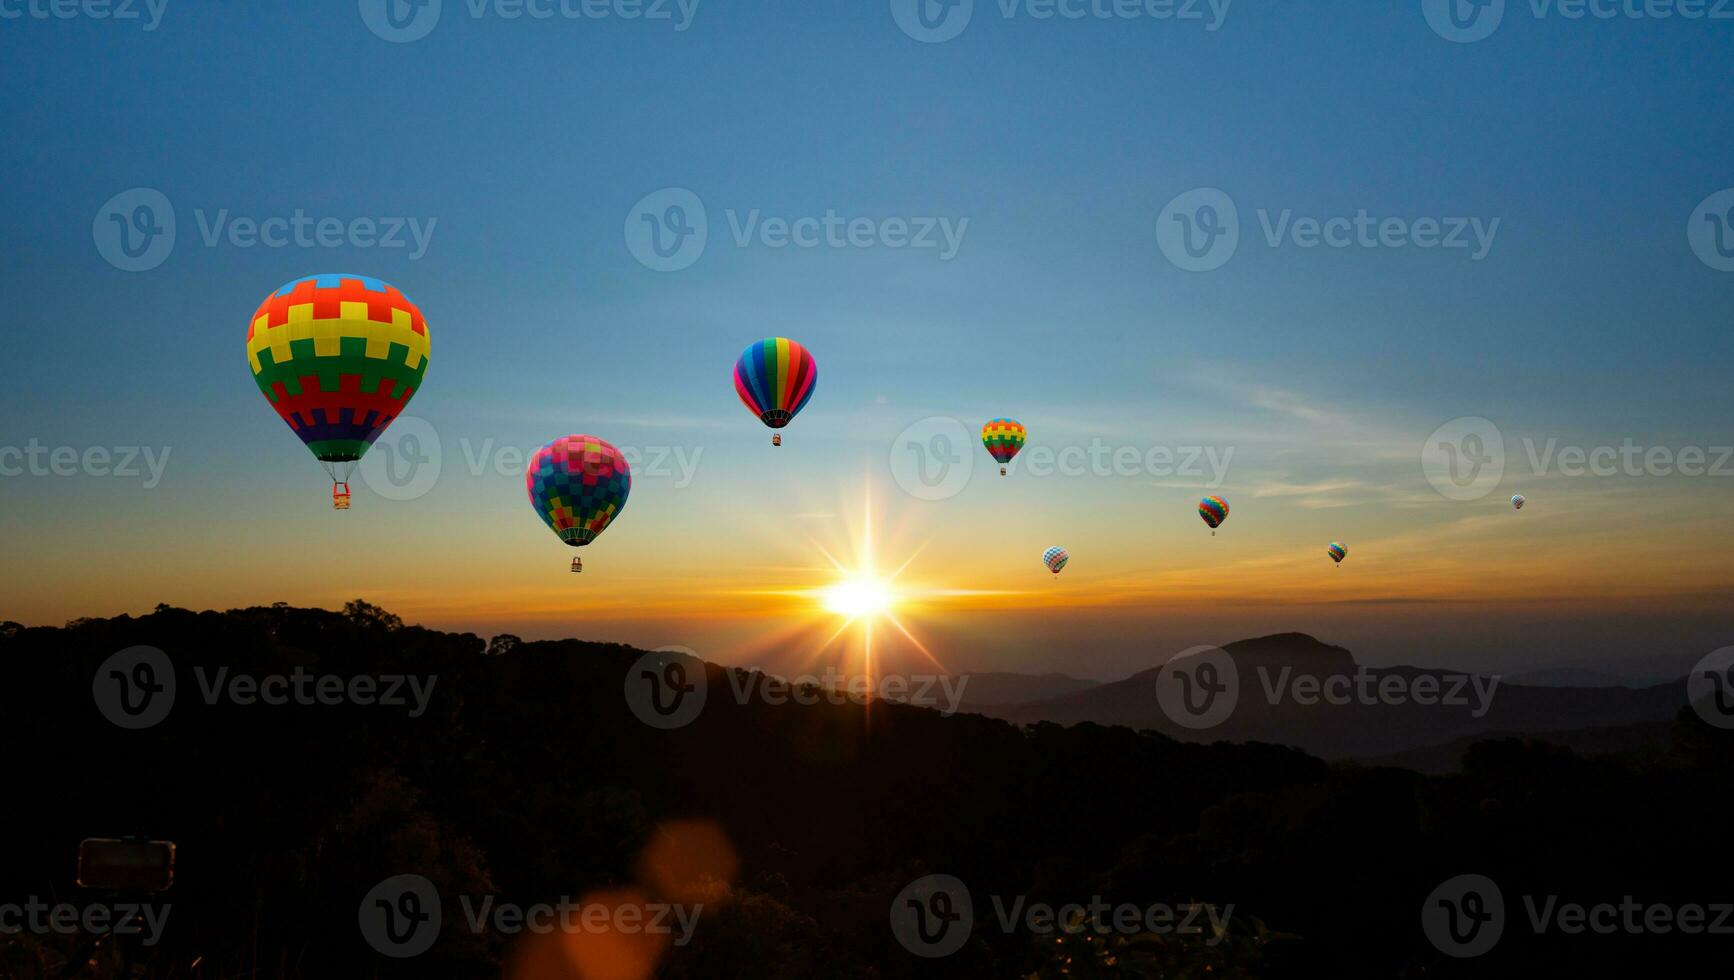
x: 1003, y: 438
x: 338, y: 357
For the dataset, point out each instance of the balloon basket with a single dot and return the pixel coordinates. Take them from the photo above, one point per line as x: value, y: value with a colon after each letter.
x: 776, y: 440
x: 577, y: 564
x: 340, y: 496
x: 1002, y: 471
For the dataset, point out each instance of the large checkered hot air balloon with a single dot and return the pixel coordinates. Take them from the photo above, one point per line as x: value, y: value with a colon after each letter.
x: 338, y: 357
x: 578, y: 486
x: 1003, y: 438
x: 775, y: 379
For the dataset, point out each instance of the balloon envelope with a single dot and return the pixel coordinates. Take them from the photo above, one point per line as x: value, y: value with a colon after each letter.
x: 1214, y: 510
x: 775, y: 378
x: 578, y: 486
x: 1337, y: 551
x: 1517, y: 501
x: 1003, y: 438
x: 338, y: 357
x: 1055, y: 558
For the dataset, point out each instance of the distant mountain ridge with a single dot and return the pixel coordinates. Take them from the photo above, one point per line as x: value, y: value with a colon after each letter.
x: 1278, y: 674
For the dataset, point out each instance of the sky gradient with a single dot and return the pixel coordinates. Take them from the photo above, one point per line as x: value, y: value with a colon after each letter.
x: 523, y: 148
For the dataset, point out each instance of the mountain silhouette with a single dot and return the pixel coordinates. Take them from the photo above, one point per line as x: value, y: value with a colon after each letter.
x: 1272, y: 704
x: 525, y: 773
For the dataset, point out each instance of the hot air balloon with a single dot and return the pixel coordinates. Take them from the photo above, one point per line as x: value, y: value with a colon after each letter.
x: 1214, y: 510
x: 775, y: 378
x: 1003, y: 438
x: 338, y: 357
x: 1517, y: 501
x: 578, y: 486
x: 1338, y: 551
x: 1055, y: 558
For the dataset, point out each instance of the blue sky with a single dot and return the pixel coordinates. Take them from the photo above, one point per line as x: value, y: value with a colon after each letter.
x: 527, y: 144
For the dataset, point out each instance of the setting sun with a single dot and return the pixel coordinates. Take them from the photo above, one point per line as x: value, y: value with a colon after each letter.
x: 858, y: 597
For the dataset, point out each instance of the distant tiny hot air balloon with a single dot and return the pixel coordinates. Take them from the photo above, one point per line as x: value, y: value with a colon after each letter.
x: 338, y: 356
x: 775, y: 378
x: 1517, y: 501
x: 1338, y: 551
x: 1003, y: 438
x: 578, y: 486
x: 1214, y: 510
x: 1055, y: 558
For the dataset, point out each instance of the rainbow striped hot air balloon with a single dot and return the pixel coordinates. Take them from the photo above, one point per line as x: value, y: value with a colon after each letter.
x: 1338, y: 551
x: 1055, y: 558
x: 1214, y: 510
x: 1003, y: 438
x: 338, y: 357
x: 775, y: 378
x: 578, y: 486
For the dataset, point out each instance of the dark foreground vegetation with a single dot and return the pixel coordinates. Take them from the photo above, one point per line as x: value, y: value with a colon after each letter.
x: 528, y: 778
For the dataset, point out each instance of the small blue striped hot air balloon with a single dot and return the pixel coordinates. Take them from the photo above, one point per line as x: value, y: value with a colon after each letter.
x: 1517, y: 501
x: 1055, y: 558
